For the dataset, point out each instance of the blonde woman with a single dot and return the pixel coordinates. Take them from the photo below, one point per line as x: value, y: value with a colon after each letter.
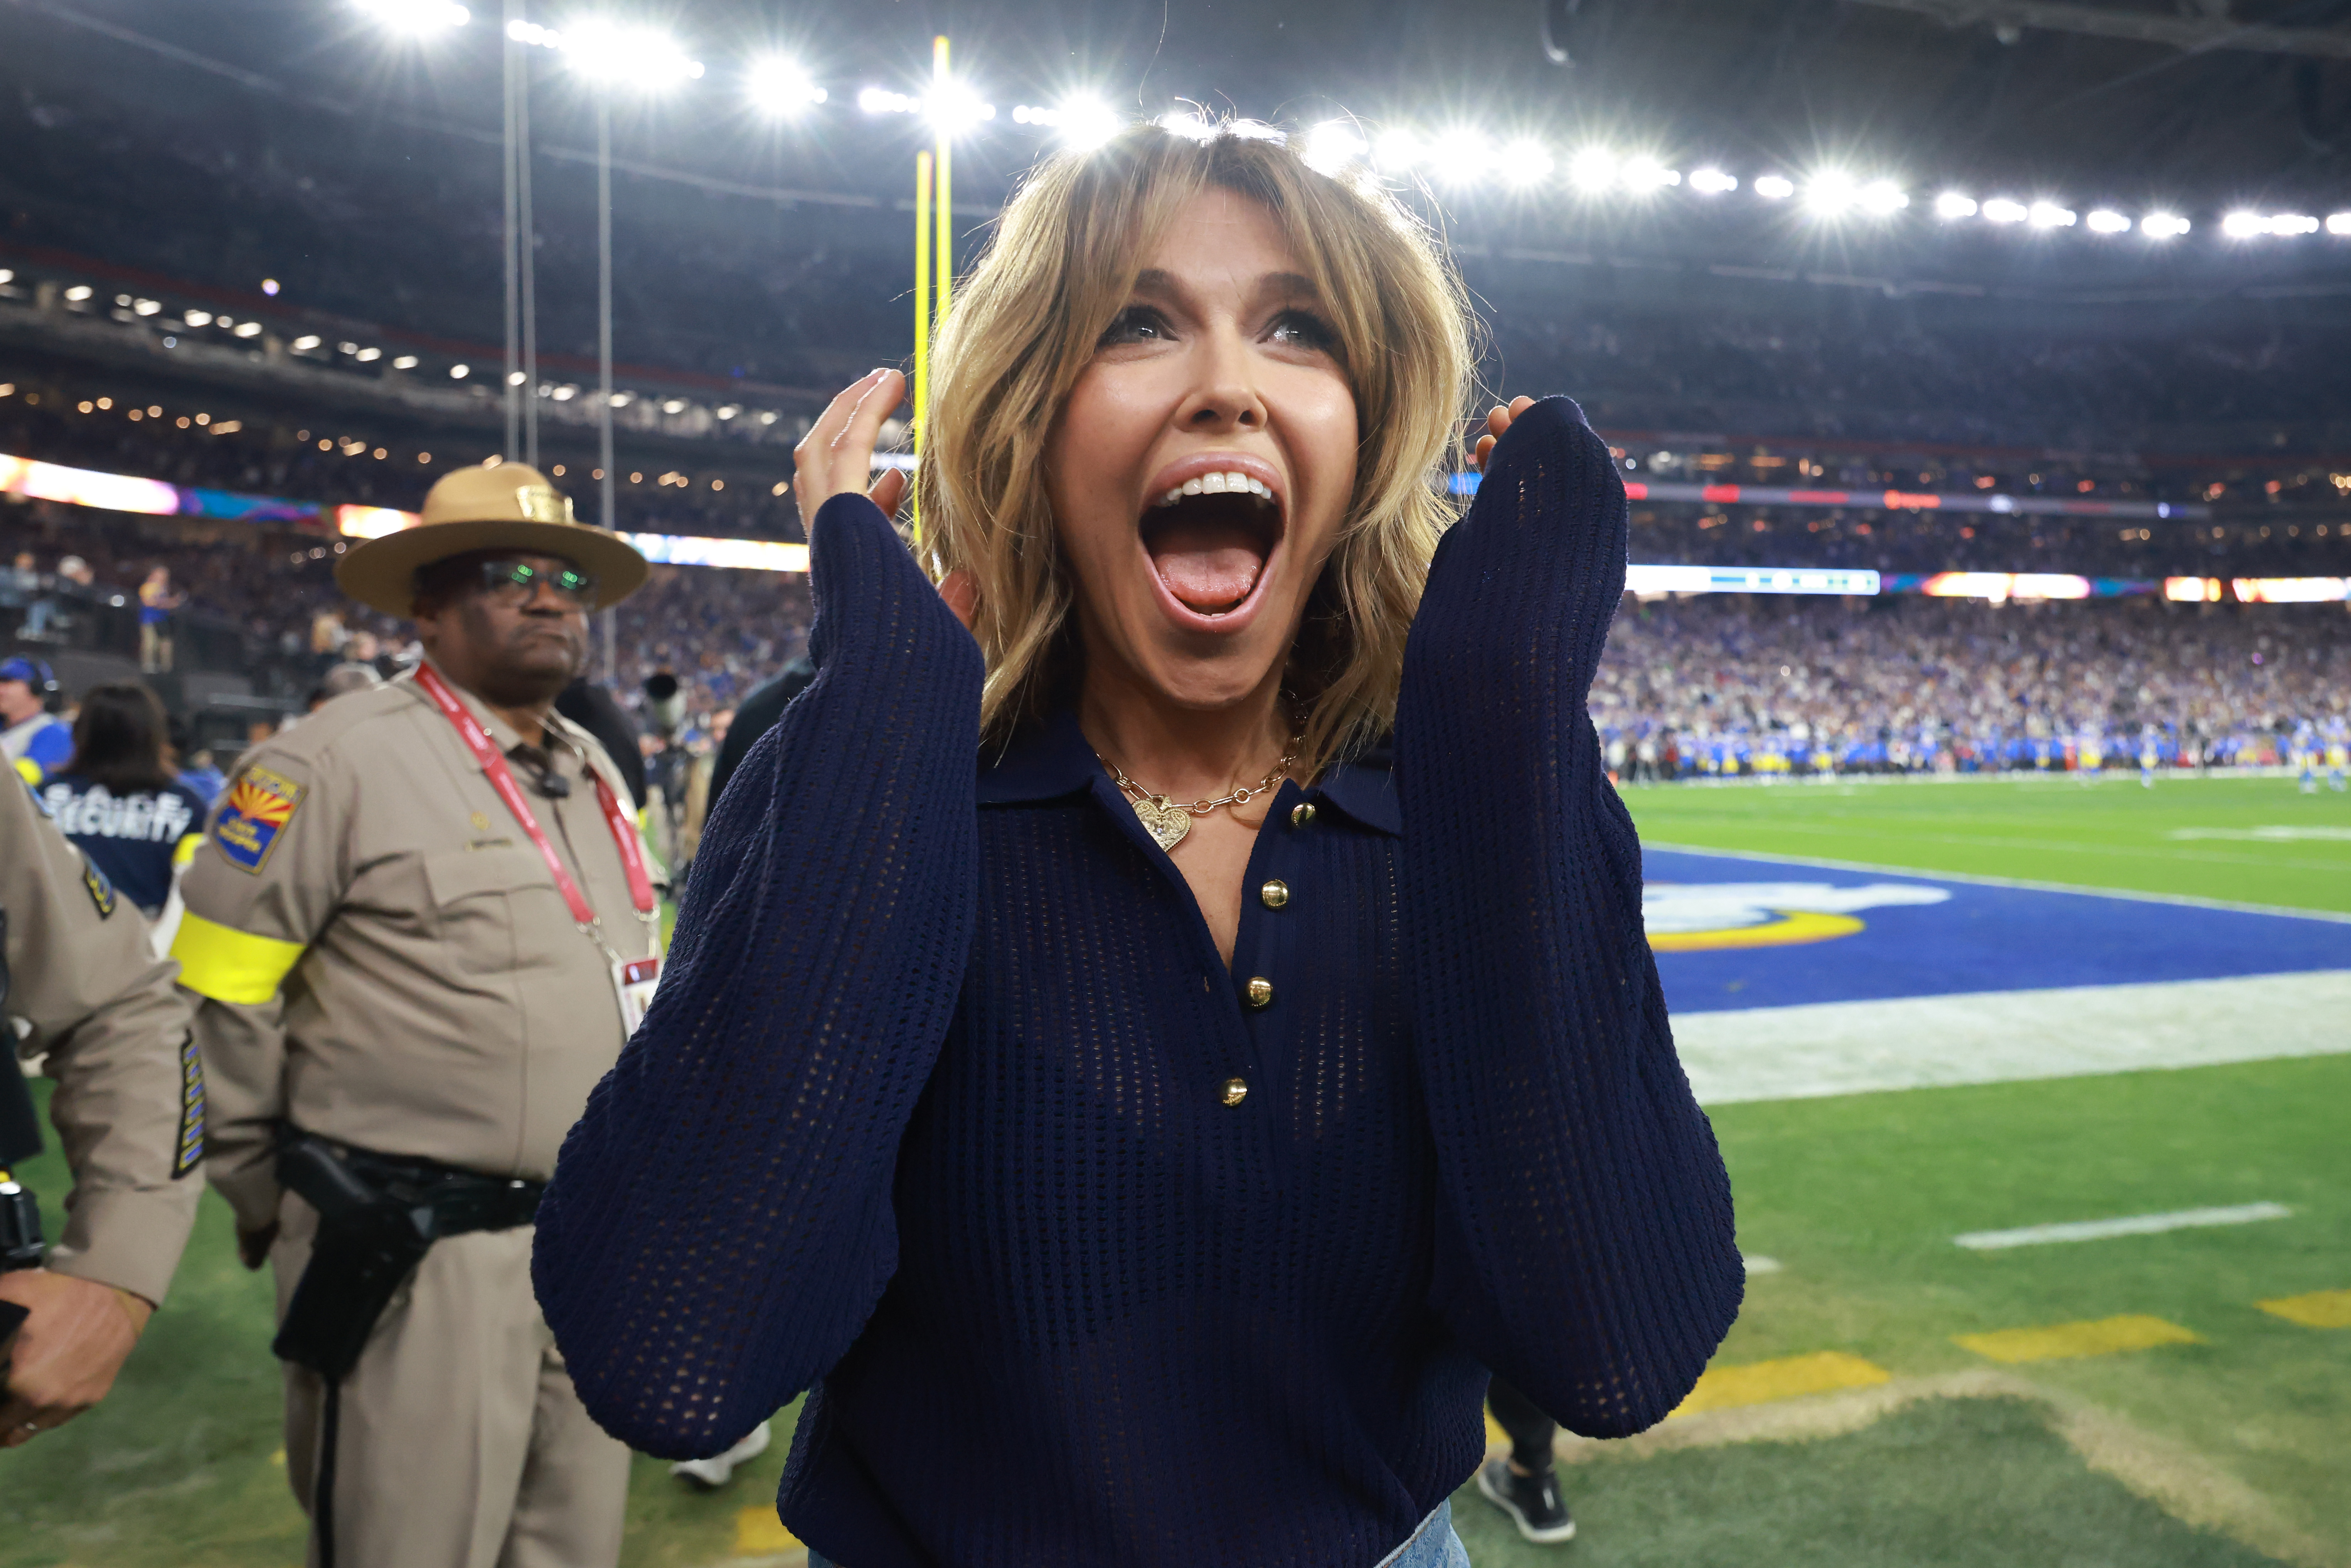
x: 1138, y: 1109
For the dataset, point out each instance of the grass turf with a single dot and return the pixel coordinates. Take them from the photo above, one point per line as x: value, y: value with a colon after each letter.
x: 1857, y: 1197
x: 2108, y: 833
x: 1975, y: 1483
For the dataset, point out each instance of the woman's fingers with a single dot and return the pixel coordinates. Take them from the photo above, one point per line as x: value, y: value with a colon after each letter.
x: 1498, y: 423
x: 836, y: 456
x: 961, y: 596
x: 889, y: 491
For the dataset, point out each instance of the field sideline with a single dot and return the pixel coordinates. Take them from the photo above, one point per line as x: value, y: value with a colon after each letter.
x: 2234, y: 841
x: 1848, y: 1424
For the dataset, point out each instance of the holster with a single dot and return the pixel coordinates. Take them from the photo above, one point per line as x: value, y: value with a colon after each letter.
x: 378, y: 1215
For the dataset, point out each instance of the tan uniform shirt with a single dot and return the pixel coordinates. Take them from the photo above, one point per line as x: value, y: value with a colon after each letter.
x: 380, y: 955
x: 86, y: 991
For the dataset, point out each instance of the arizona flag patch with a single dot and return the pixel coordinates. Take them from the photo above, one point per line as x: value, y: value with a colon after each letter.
x: 259, y: 804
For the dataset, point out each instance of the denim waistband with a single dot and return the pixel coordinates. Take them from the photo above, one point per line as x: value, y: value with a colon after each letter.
x: 1433, y: 1545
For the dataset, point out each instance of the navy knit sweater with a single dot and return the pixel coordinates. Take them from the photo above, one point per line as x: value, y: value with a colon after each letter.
x: 930, y: 1113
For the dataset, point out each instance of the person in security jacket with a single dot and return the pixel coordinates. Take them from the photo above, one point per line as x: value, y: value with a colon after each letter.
x: 81, y: 992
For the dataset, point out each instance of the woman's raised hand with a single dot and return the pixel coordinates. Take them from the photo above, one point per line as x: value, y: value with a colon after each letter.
x: 836, y: 456
x: 1495, y: 422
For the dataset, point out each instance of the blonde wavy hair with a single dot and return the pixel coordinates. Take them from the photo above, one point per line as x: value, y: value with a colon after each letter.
x: 1061, y: 267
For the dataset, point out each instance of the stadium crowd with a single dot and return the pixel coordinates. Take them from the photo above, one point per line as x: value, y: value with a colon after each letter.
x: 1902, y: 541
x: 1757, y: 684
x: 1706, y: 685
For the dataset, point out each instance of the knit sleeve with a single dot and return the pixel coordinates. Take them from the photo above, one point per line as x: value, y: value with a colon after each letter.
x: 719, y: 1226
x: 1585, y: 1251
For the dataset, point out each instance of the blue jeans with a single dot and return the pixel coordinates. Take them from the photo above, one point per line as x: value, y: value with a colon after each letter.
x: 1433, y: 1545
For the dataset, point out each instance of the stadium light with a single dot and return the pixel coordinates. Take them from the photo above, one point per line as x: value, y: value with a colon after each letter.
x: 1831, y: 193
x: 1397, y: 149
x: 1884, y: 197
x: 2050, y: 216
x: 2106, y: 221
x: 1460, y: 157
x: 2338, y: 224
x: 1775, y: 187
x: 1332, y: 145
x: 954, y: 109
x: 2293, y: 224
x: 2244, y: 225
x: 459, y: 372
x: 1712, y: 182
x: 778, y: 86
x: 1524, y: 162
x: 625, y: 56
x: 1951, y: 207
x: 1084, y: 123
x: 1593, y: 170
x: 2000, y: 210
x: 2163, y: 225
x: 417, y: 18
x: 882, y: 101
x: 1189, y: 126
x: 1648, y: 174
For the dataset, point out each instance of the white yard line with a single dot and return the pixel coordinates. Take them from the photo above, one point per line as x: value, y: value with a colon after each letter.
x: 1997, y: 1036
x: 1880, y: 868
x: 2131, y: 1225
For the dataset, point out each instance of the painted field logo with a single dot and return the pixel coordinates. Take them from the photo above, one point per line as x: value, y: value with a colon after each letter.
x: 1705, y: 916
x: 259, y: 804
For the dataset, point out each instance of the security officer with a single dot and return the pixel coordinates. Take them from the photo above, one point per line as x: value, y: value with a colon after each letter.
x: 78, y: 986
x: 421, y: 929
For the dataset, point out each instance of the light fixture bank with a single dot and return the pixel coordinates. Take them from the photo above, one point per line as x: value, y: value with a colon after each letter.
x: 1453, y: 156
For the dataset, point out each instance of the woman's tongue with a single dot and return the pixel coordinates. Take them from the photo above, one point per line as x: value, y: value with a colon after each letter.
x: 1209, y: 566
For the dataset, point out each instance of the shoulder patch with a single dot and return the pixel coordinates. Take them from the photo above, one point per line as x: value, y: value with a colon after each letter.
x: 256, y: 810
x: 101, y: 892
x: 190, y: 1151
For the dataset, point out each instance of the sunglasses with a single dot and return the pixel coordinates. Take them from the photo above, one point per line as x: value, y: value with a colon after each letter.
x: 517, y: 582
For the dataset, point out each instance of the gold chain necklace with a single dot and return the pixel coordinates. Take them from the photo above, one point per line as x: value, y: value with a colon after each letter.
x: 1168, y: 821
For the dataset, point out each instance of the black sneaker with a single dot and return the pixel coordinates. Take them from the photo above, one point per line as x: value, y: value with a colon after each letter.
x: 1533, y: 1503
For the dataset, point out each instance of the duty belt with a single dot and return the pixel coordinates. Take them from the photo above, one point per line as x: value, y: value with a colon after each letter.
x: 378, y: 1215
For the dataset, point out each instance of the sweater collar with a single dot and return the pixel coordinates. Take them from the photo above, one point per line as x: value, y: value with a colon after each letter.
x: 1051, y: 760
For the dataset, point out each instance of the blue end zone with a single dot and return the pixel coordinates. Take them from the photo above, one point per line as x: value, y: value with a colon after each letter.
x: 1738, y: 932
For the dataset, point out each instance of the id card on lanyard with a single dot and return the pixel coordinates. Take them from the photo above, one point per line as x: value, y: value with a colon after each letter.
x: 633, y: 979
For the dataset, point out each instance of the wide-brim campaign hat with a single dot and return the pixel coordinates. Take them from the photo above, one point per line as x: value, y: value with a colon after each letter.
x: 505, y: 505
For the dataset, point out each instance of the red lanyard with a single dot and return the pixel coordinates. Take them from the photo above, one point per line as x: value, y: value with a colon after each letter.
x: 502, y: 779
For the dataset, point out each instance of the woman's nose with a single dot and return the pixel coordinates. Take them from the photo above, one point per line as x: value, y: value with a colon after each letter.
x: 1226, y: 396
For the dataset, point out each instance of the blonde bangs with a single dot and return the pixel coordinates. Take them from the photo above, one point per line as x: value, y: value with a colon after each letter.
x: 1061, y: 267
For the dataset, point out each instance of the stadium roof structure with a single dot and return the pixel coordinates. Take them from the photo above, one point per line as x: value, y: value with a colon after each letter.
x: 762, y: 256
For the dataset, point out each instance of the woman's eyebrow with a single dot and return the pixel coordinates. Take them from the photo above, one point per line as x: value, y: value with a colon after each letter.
x: 1158, y: 282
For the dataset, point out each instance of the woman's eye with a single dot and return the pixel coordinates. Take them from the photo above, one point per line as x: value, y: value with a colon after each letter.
x: 1303, y: 329
x: 1135, y: 324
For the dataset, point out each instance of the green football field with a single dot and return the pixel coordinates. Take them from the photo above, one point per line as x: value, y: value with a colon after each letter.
x: 2156, y: 1414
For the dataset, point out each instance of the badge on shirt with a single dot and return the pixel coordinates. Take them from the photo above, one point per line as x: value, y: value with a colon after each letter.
x: 190, y: 1143
x: 636, y: 980
x: 101, y: 892
x: 259, y: 807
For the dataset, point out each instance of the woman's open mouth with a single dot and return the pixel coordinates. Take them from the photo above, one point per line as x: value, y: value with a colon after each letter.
x: 1209, y: 538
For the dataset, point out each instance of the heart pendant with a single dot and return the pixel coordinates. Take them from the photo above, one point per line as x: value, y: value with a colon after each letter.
x: 1166, y: 824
